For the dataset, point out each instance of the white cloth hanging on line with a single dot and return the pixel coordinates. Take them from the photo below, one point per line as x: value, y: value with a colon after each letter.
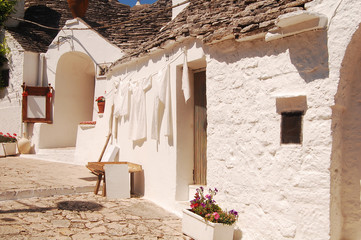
x: 121, y: 100
x: 138, y: 119
x: 185, y: 78
x: 162, y: 96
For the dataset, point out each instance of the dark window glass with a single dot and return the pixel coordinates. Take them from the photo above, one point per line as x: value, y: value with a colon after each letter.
x: 291, y: 127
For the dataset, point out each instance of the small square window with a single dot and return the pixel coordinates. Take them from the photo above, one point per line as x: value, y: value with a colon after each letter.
x: 291, y: 127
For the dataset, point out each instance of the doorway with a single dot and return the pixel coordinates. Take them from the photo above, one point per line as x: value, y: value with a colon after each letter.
x: 200, y: 129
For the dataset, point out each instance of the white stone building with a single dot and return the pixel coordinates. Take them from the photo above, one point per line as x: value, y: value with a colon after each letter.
x: 272, y: 120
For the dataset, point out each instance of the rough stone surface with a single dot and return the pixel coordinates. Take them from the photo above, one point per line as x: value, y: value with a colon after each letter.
x: 25, y: 178
x: 279, y: 187
x: 47, y: 218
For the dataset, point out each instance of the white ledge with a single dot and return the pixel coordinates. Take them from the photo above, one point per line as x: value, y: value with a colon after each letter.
x: 295, y: 23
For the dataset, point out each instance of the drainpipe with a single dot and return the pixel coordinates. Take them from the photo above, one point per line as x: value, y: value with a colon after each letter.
x: 41, y: 68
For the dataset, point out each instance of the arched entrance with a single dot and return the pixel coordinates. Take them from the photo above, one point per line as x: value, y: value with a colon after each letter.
x: 73, y: 99
x: 346, y: 155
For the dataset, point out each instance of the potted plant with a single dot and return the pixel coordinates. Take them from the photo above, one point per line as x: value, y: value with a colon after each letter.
x: 206, y: 220
x: 9, y: 144
x: 101, y: 104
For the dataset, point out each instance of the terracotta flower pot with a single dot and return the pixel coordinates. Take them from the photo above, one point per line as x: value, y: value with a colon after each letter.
x: 101, y: 106
x: 78, y: 7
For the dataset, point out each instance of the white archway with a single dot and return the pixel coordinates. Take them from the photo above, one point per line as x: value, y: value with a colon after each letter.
x: 73, y: 100
x: 346, y: 152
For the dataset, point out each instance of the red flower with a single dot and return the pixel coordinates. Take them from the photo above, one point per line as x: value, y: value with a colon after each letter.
x: 49, y: 95
x: 100, y: 99
x: 25, y: 94
x: 15, y: 134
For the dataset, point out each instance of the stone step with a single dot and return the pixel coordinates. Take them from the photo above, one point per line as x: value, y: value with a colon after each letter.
x: 46, y: 192
x: 64, y: 155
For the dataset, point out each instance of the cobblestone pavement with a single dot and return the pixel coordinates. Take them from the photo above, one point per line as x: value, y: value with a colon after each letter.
x: 86, y: 216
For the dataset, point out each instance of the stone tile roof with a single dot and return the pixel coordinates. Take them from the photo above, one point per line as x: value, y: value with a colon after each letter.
x: 215, y: 20
x: 54, y: 13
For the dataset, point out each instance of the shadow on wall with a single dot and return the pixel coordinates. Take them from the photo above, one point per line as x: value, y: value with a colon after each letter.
x: 346, y: 147
x: 3, y: 92
x: 42, y: 15
x: 308, y: 54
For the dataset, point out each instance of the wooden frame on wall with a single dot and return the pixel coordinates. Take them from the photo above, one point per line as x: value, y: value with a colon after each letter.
x: 36, y: 105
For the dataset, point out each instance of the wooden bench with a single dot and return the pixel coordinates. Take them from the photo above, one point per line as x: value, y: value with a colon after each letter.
x: 97, y: 168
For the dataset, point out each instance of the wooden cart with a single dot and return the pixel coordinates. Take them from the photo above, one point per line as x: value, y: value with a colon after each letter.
x: 97, y: 168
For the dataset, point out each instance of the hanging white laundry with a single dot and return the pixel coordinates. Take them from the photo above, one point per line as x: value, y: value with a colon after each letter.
x: 138, y: 120
x: 121, y: 100
x: 185, y: 78
x: 155, y: 119
x: 161, y: 87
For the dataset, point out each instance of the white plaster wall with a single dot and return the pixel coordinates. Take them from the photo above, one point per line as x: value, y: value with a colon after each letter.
x: 97, y: 49
x: 73, y: 101
x: 167, y: 164
x: 31, y: 68
x: 281, y: 191
x: 344, y: 20
x: 177, y: 10
x: 10, y: 97
x: 346, y: 172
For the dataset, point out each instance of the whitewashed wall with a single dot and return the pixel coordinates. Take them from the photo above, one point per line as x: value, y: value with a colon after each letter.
x: 10, y: 97
x: 281, y: 191
x: 278, y: 189
x: 84, y: 44
x: 168, y: 164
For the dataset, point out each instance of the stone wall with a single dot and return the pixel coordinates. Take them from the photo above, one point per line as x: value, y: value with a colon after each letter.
x: 10, y: 97
x: 279, y: 189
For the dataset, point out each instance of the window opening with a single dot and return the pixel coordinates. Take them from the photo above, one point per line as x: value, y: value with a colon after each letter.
x: 291, y: 127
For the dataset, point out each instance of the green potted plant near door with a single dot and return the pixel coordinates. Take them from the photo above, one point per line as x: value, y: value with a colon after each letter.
x: 205, y: 220
x: 8, y: 144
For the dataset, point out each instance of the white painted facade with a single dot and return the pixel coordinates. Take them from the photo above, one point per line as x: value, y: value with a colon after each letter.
x: 10, y: 97
x: 282, y: 191
x: 72, y: 66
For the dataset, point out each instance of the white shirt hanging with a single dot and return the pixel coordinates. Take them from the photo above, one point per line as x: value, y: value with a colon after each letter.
x: 138, y: 120
x: 121, y: 100
x: 162, y: 96
x: 185, y: 79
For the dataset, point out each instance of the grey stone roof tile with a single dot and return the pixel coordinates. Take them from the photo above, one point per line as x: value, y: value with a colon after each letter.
x: 214, y: 20
x: 55, y: 13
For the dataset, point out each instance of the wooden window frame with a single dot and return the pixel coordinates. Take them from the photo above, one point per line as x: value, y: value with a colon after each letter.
x: 37, y: 91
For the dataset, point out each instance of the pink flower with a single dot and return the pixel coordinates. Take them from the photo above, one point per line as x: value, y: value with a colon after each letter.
x: 216, y: 215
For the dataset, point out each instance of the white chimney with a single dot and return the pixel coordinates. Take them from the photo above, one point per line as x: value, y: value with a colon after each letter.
x: 177, y: 10
x: 18, y: 13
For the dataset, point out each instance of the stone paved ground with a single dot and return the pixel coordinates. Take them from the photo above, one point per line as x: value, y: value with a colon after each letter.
x: 29, y: 209
x: 86, y: 216
x: 23, y: 178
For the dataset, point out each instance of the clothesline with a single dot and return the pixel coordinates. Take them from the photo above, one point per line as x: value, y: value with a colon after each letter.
x: 129, y: 99
x: 162, y: 68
